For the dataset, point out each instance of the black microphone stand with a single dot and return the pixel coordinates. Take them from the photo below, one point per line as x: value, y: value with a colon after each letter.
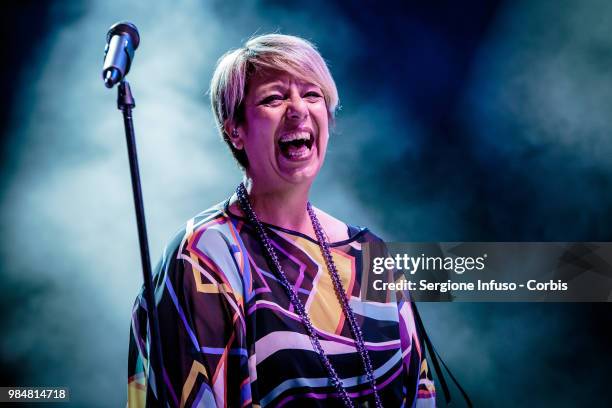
x: 125, y: 103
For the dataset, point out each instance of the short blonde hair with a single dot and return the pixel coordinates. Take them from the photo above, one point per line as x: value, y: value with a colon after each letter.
x: 270, y: 52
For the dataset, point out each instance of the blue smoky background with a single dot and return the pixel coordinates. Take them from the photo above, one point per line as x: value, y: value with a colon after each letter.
x: 460, y: 121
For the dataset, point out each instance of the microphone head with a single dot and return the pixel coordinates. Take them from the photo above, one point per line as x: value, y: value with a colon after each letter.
x: 122, y: 40
x: 111, y: 77
x: 124, y: 27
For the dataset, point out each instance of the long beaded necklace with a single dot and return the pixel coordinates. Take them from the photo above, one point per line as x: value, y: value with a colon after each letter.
x: 299, y: 307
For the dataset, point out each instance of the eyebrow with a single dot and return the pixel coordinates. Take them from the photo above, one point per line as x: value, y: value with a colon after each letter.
x: 272, y: 86
x: 279, y: 84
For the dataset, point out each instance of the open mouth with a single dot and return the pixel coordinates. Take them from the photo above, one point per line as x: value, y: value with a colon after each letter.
x: 296, y: 145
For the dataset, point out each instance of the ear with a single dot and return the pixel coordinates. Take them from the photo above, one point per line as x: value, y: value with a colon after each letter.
x: 235, y: 134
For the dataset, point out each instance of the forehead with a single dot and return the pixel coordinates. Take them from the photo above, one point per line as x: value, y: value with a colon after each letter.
x: 269, y: 80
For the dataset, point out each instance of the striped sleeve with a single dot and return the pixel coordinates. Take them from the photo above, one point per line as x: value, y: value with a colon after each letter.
x: 201, y: 315
x: 421, y: 392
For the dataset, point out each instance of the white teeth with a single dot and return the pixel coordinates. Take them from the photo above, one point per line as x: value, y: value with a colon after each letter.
x: 295, y: 136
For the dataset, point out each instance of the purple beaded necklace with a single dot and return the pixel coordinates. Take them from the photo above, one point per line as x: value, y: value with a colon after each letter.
x: 299, y: 307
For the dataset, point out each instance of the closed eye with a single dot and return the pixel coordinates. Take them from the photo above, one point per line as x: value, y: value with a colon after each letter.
x: 270, y: 99
x: 312, y: 94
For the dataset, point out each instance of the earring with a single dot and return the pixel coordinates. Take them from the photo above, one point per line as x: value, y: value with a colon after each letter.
x: 237, y: 143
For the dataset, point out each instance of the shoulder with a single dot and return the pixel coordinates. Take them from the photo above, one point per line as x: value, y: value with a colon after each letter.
x: 335, y: 229
x: 341, y: 231
x: 205, y: 235
x: 206, y: 249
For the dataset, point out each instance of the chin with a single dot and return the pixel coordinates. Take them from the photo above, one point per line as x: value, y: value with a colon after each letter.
x: 300, y: 176
x: 299, y: 173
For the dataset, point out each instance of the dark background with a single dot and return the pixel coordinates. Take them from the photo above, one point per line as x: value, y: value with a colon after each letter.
x: 460, y: 121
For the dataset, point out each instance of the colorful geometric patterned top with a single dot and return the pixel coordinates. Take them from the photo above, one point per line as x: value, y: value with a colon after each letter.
x: 232, y: 339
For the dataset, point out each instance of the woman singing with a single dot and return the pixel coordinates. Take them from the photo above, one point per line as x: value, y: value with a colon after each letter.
x: 259, y: 297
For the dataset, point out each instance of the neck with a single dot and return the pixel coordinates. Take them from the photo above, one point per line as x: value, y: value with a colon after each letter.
x: 284, y: 207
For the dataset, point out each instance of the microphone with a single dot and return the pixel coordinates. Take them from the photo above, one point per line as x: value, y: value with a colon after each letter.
x: 121, y: 42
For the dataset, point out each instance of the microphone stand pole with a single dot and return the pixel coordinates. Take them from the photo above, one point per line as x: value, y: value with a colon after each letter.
x: 125, y: 103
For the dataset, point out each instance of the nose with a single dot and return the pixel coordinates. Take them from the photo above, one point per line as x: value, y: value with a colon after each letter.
x: 297, y: 110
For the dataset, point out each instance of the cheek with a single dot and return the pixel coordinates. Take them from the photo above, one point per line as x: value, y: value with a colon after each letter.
x: 261, y: 132
x: 324, y: 139
x: 320, y: 114
x: 322, y: 123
